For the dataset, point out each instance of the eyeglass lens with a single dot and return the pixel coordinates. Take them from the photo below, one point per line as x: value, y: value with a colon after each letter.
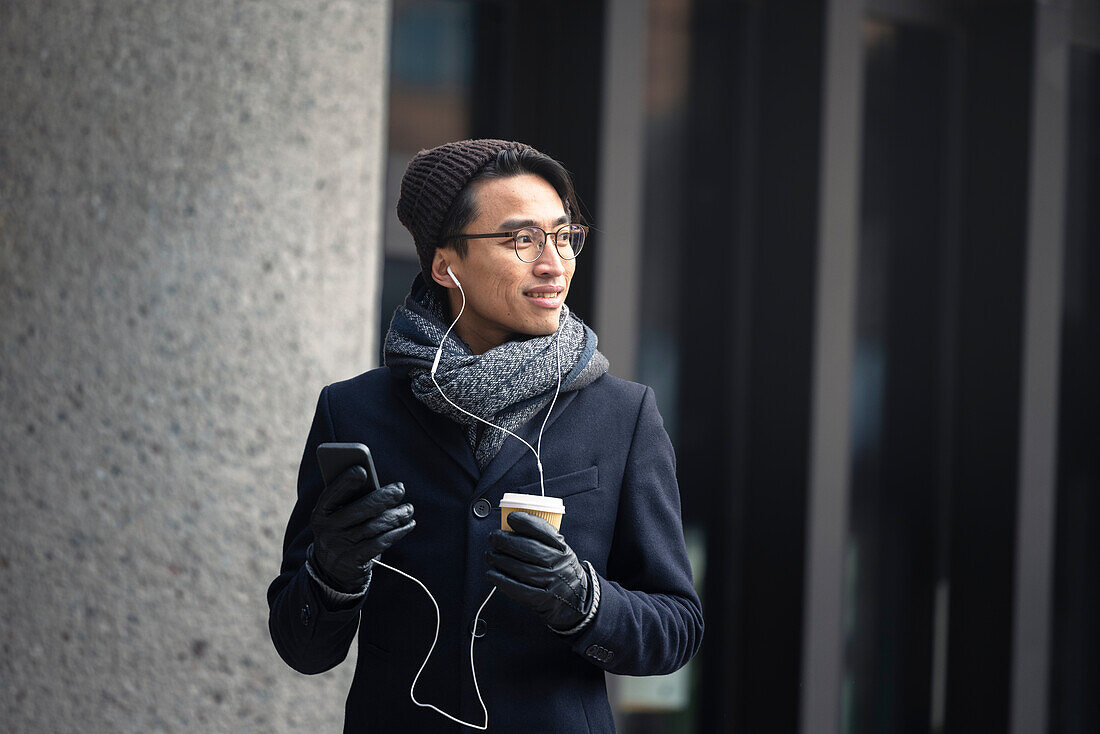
x: 530, y: 241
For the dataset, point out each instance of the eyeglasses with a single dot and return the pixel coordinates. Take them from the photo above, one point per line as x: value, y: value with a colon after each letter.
x: 529, y: 241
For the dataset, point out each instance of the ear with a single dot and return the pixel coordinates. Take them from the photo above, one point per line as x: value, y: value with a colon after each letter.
x: 443, y: 257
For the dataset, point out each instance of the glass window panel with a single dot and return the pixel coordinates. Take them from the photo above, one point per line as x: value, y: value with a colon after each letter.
x: 900, y: 392
x: 1075, y: 662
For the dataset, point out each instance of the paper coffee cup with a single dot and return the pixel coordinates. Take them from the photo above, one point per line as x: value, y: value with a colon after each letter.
x: 549, y: 509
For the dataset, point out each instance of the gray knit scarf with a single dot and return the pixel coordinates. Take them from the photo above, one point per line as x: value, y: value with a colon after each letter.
x: 506, y: 385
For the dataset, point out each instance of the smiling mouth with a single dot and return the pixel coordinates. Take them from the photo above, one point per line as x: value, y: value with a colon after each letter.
x: 544, y: 295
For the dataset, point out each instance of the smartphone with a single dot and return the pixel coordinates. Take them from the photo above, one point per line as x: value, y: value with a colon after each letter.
x: 335, y: 458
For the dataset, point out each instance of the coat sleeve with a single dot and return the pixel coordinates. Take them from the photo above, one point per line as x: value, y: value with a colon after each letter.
x: 308, y: 635
x: 649, y: 621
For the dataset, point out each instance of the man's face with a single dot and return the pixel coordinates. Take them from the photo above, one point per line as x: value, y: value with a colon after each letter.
x: 504, y: 295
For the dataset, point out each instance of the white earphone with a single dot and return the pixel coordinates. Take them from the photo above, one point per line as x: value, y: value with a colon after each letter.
x: 538, y: 461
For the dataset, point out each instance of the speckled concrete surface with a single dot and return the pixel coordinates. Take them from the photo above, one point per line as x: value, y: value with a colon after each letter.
x: 189, y: 212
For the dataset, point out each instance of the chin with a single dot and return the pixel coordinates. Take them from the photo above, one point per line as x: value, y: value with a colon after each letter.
x: 545, y: 329
x: 551, y: 326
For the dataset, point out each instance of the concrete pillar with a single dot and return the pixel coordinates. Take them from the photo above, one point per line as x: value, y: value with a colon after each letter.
x: 189, y: 215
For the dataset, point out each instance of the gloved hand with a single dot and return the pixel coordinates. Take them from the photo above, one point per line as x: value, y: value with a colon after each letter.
x: 534, y: 566
x: 350, y: 529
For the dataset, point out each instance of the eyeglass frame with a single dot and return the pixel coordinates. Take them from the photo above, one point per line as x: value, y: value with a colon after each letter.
x: 515, y: 245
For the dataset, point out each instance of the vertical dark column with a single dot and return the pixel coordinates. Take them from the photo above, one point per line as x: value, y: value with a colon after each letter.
x: 1075, y: 659
x: 541, y: 63
x: 780, y: 361
x: 900, y: 404
x: 748, y: 285
x: 997, y: 104
x: 912, y: 419
x: 712, y: 400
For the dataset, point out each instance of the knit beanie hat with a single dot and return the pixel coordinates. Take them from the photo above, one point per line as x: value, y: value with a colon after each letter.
x: 432, y: 183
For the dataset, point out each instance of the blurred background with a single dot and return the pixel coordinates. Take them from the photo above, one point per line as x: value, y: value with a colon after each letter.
x: 853, y: 246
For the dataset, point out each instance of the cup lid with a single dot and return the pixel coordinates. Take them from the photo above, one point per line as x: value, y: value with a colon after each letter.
x: 516, y: 501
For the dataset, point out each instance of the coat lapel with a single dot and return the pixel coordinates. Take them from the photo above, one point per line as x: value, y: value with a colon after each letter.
x: 443, y: 431
x: 512, y: 450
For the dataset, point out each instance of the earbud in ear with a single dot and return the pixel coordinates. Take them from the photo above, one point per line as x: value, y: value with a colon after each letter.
x: 455, y: 279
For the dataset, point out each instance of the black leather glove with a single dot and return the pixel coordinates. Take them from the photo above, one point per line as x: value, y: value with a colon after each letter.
x: 350, y: 528
x: 534, y: 566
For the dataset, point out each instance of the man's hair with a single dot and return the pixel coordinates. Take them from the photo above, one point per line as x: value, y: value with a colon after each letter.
x: 506, y: 163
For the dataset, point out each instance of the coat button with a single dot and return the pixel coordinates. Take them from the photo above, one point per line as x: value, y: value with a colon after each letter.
x: 477, y: 629
x: 482, y: 508
x: 304, y: 615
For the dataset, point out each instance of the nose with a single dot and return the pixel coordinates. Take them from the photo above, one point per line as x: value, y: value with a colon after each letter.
x: 549, y: 262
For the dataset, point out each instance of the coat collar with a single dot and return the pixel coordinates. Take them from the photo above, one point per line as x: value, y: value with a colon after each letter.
x: 445, y: 432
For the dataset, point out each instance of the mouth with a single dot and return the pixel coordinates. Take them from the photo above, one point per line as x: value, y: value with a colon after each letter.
x: 546, y: 296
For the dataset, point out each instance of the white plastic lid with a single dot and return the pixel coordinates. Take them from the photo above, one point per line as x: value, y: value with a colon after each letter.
x: 516, y: 501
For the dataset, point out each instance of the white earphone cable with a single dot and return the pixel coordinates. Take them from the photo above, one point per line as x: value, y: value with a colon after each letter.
x: 435, y: 365
x: 542, y: 487
x: 435, y: 639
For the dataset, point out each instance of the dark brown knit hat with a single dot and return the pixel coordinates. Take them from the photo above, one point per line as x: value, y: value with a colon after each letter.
x: 434, y: 179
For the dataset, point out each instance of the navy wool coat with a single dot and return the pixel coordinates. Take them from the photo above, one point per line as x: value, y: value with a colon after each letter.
x: 606, y: 453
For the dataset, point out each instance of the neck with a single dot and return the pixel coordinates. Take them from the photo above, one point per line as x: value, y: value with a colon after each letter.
x: 478, y: 343
x: 478, y: 340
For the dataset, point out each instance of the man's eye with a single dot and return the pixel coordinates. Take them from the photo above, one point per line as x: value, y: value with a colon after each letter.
x: 524, y: 239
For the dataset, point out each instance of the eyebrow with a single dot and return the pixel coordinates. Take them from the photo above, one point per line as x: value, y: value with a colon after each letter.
x: 510, y: 224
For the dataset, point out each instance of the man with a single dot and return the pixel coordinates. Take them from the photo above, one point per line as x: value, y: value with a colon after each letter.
x: 494, y: 224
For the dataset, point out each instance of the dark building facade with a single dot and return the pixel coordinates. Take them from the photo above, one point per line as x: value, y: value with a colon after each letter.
x: 853, y: 248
